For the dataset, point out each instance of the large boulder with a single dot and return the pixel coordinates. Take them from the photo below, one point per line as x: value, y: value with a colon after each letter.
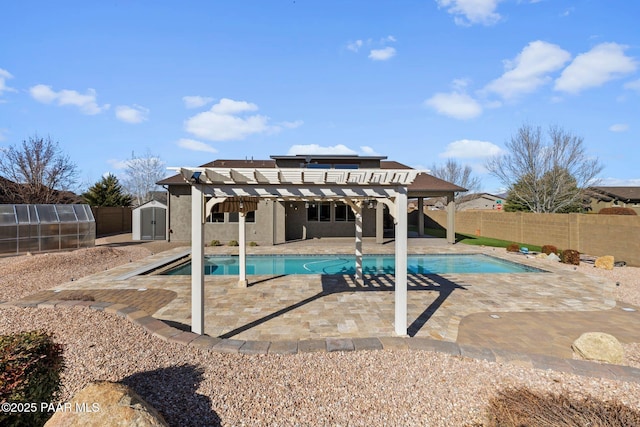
x: 599, y: 346
x: 605, y: 262
x: 105, y: 403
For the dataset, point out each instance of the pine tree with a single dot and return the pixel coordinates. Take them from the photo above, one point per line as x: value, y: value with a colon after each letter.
x: 107, y: 192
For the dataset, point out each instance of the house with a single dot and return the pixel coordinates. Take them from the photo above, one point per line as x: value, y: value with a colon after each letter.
x: 480, y: 201
x: 605, y: 197
x: 279, y: 220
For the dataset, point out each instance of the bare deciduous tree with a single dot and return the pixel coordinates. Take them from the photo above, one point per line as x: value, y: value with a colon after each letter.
x: 460, y: 175
x: 36, y: 171
x: 141, y: 176
x: 545, y: 175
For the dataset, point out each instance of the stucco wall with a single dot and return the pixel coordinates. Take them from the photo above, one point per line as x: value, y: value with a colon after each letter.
x: 261, y: 231
x: 276, y: 222
x: 597, y: 235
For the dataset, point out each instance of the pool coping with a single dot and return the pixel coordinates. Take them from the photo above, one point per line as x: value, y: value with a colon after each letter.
x: 165, y: 332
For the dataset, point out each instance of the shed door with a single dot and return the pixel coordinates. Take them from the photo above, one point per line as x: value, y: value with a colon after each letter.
x: 152, y: 224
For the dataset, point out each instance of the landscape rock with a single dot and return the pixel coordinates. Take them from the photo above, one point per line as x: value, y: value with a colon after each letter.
x: 542, y: 255
x: 553, y: 257
x: 605, y: 262
x: 106, y: 403
x: 600, y: 347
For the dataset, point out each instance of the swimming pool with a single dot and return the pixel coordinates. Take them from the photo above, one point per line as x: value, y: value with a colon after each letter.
x: 345, y: 264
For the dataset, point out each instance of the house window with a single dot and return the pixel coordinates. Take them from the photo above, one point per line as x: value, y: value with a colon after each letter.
x: 250, y: 216
x: 343, y: 212
x: 216, y: 217
x: 319, y: 211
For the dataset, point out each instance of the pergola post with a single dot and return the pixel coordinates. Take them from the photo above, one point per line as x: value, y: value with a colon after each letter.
x: 451, y: 218
x: 242, y: 243
x: 420, y: 216
x: 379, y: 223
x: 357, y: 207
x: 197, y: 259
x: 401, y: 262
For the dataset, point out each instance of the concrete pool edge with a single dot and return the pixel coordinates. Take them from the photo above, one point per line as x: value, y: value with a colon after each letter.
x: 162, y: 330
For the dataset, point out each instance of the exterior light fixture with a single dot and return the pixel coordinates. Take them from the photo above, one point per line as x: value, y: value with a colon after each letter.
x: 306, y: 205
x: 241, y: 205
x: 372, y: 204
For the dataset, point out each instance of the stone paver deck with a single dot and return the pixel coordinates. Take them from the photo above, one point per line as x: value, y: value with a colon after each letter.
x: 528, y: 316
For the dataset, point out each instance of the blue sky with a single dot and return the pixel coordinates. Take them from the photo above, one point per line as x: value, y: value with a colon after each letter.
x: 415, y: 80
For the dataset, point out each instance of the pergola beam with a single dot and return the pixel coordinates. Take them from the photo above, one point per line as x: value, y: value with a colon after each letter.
x: 387, y: 186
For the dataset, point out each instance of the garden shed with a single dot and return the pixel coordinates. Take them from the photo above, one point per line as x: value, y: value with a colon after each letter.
x: 42, y: 228
x: 149, y: 221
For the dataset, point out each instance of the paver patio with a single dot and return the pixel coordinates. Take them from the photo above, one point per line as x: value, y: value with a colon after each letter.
x: 448, y: 307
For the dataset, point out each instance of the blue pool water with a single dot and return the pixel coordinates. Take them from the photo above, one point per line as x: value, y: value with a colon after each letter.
x: 345, y: 264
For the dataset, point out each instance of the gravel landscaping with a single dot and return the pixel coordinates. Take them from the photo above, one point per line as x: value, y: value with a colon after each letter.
x: 196, y: 387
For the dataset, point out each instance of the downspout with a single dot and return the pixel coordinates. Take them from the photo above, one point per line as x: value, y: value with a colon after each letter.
x: 168, y: 215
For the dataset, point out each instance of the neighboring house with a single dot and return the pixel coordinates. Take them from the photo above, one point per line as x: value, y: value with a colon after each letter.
x: 280, y: 221
x: 12, y: 193
x: 476, y: 201
x: 480, y: 201
x: 606, y: 197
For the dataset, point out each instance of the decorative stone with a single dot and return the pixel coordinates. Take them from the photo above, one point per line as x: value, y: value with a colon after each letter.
x: 605, y: 262
x: 106, y: 403
x: 599, y: 346
x: 553, y: 257
x: 542, y: 255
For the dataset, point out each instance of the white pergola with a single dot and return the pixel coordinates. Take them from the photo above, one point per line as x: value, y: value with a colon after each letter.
x: 240, y: 189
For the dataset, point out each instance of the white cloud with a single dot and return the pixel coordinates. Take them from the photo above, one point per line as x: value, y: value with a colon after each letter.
x: 601, y: 64
x: 291, y: 125
x: 455, y: 104
x: 196, y: 101
x: 85, y: 102
x: 132, y: 114
x: 118, y: 164
x: 468, y: 12
x: 355, y: 46
x: 225, y: 122
x: 193, y: 145
x: 619, y: 127
x: 365, y: 149
x: 229, y: 106
x: 619, y: 182
x: 633, y: 85
x: 383, y: 54
x: 529, y: 70
x: 4, y: 76
x: 317, y: 149
x: 469, y: 149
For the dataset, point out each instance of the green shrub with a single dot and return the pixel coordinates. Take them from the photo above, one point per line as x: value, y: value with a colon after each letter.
x: 514, y: 407
x: 232, y: 243
x: 549, y: 249
x: 215, y: 243
x: 253, y: 244
x: 513, y: 247
x: 570, y: 256
x: 617, y: 210
x: 30, y: 368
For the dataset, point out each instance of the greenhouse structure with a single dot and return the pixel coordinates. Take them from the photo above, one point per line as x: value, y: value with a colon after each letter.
x: 45, y: 228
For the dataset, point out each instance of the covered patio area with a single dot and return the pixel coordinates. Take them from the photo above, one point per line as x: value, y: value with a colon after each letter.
x: 240, y: 190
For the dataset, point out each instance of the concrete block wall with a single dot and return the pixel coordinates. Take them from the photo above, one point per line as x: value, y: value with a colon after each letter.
x: 592, y: 234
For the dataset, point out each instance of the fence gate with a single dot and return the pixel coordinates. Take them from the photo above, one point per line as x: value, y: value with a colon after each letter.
x: 153, y: 223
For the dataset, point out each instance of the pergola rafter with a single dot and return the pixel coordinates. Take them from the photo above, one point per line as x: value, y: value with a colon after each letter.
x: 235, y: 186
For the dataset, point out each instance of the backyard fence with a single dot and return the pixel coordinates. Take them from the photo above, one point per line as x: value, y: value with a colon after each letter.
x: 592, y: 234
x: 112, y: 220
